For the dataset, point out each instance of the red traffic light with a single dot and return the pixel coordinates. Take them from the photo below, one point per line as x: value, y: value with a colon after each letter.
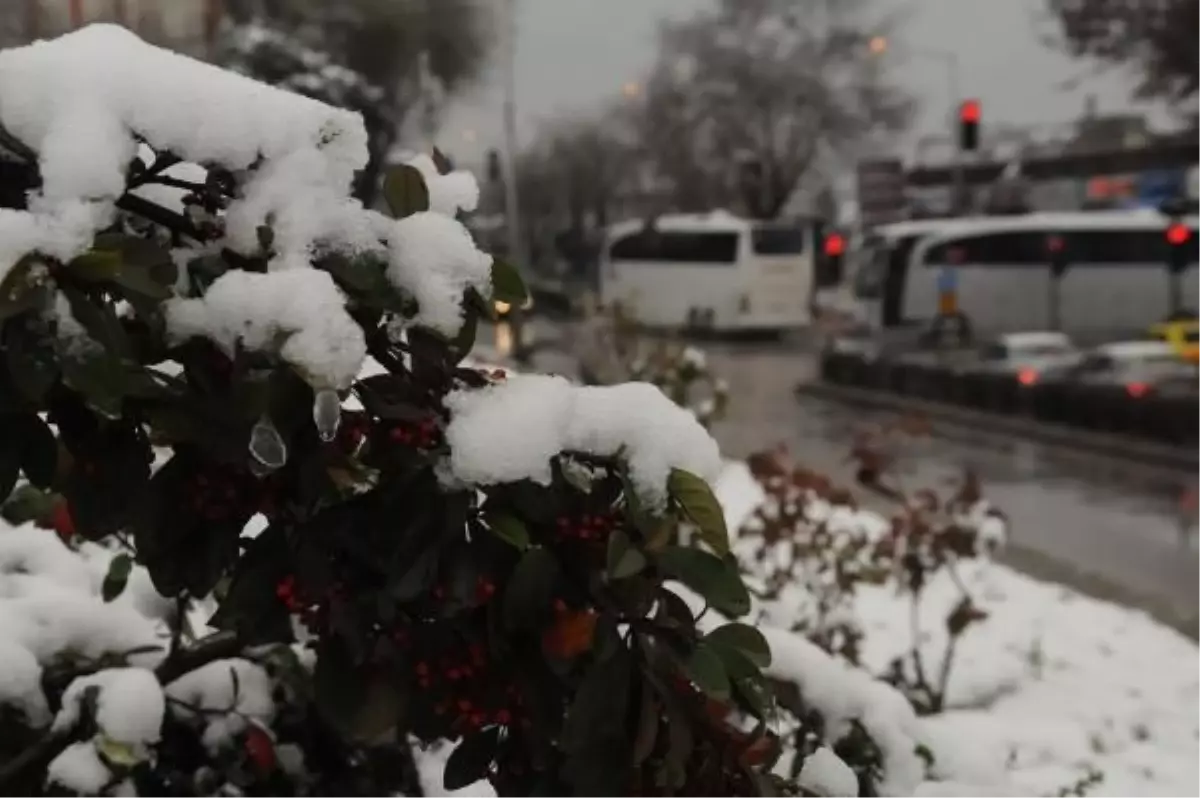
x: 835, y: 245
x: 969, y: 111
x: 1178, y: 234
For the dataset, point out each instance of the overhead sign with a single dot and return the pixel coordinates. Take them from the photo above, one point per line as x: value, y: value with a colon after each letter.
x: 881, y: 191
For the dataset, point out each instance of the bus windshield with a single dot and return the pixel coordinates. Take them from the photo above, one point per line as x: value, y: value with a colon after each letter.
x: 777, y: 240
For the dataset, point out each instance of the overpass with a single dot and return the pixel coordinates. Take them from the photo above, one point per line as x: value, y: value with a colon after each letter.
x: 1174, y: 152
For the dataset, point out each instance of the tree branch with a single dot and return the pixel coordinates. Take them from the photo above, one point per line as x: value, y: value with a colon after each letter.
x: 175, y: 222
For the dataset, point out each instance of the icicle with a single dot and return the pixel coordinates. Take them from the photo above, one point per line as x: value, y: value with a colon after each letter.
x: 259, y: 470
x: 266, y: 445
x: 327, y: 413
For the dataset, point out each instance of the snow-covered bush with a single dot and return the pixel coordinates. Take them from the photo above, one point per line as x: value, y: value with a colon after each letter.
x: 811, y: 548
x: 277, y: 571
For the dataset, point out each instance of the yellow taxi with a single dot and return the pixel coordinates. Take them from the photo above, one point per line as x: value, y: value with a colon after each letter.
x: 1183, y: 334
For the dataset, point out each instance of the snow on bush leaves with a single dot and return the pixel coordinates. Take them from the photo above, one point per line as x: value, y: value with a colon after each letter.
x: 180, y: 383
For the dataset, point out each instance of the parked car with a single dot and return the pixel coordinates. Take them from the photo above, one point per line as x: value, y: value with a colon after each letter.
x: 1139, y: 366
x: 1028, y: 355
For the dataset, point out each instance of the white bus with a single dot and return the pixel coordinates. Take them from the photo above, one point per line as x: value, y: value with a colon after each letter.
x: 712, y: 271
x: 1116, y: 283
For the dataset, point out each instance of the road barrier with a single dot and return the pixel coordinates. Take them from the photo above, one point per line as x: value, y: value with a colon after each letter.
x: 1168, y: 420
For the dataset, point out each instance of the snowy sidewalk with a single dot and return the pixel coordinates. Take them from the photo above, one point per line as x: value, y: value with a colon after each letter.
x: 1052, y: 687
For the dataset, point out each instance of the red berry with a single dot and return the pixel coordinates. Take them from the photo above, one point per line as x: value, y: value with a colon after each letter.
x: 260, y: 748
x: 62, y: 522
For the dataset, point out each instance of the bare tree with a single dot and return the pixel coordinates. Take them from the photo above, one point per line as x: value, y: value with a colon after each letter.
x: 1157, y: 37
x: 743, y: 99
x: 574, y: 176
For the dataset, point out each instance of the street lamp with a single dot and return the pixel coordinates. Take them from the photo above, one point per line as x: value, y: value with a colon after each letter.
x: 878, y: 45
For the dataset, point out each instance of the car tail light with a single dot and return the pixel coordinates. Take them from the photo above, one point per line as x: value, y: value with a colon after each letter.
x: 1137, y: 389
x: 1027, y: 377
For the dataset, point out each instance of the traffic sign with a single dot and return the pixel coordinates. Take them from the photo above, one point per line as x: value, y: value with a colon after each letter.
x: 947, y: 281
x: 881, y: 191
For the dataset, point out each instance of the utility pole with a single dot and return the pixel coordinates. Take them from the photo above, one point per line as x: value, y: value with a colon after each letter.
x: 512, y: 212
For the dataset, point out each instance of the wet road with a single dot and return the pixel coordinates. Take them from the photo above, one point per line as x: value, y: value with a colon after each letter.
x: 1105, y: 527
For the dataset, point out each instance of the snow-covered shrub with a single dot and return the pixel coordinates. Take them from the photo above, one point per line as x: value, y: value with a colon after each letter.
x: 272, y: 572
x: 811, y: 549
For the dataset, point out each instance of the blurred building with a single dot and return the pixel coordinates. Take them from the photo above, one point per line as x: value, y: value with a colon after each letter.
x: 188, y: 26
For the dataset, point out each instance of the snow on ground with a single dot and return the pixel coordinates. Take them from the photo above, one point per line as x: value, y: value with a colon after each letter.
x: 1053, y: 685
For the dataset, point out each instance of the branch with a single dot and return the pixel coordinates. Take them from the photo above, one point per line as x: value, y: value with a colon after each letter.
x: 175, y: 222
x: 938, y: 700
x: 43, y: 750
x: 16, y: 146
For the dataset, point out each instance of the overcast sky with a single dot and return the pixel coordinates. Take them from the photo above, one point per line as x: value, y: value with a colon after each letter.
x: 576, y: 53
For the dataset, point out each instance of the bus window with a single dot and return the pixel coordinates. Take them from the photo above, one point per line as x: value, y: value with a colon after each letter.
x: 1124, y: 246
x: 668, y: 246
x: 777, y: 240
x: 990, y: 249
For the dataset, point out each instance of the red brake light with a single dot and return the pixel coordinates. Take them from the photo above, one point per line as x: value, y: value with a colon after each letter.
x: 1178, y: 234
x: 1137, y: 390
x: 834, y: 245
x: 969, y: 111
x: 1027, y: 377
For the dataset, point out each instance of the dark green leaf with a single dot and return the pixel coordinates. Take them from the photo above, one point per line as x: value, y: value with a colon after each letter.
x: 623, y: 559
x: 511, y: 530
x: 751, y: 694
x: 10, y: 459
x: 102, y: 381
x: 95, y: 266
x: 701, y: 507
x: 680, y: 742
x: 600, y: 707
x: 31, y: 360
x: 39, y: 451
x: 405, y: 191
x: 647, y: 728
x: 716, y: 580
x: 117, y: 577
x: 338, y: 684
x: 181, y: 550
x: 365, y: 279
x: 250, y: 606
x: 18, y: 292
x: 530, y: 588
x: 100, y: 322
x: 507, y: 285
x: 704, y: 668
x: 469, y: 762
x: 745, y: 639
x: 27, y: 503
